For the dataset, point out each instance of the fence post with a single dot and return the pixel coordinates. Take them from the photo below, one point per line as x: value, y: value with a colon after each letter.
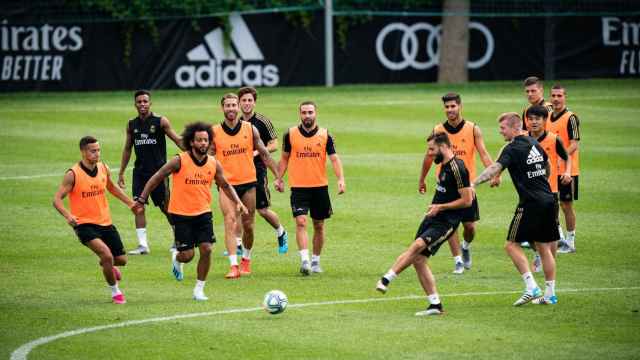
x: 328, y: 43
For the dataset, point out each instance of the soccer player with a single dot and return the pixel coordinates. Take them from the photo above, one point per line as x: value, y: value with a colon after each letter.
x: 534, y: 90
x: 146, y: 134
x: 193, y: 172
x: 248, y: 97
x: 567, y: 125
x: 453, y: 194
x: 235, y: 142
x: 465, y: 138
x: 90, y: 218
x: 535, y: 217
x: 304, y: 153
x: 554, y: 148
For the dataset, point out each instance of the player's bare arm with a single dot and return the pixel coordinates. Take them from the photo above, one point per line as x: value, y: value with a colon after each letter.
x: 65, y: 187
x: 222, y: 183
x: 171, y: 166
x: 565, y: 177
x: 272, y: 145
x: 488, y: 173
x: 426, y: 165
x: 339, y: 171
x: 282, y: 167
x: 465, y: 200
x: 166, y: 125
x: 126, y: 156
x: 117, y: 191
x: 264, y: 154
x: 484, y: 154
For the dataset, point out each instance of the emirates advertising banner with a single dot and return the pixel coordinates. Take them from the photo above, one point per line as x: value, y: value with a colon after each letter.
x: 265, y: 50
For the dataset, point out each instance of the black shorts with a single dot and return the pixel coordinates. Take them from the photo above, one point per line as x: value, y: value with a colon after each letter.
x: 315, y: 199
x: 191, y: 231
x: 263, y: 196
x: 159, y: 195
x: 534, y: 223
x: 243, y: 188
x: 472, y: 213
x: 434, y: 233
x: 108, y: 234
x: 568, y: 192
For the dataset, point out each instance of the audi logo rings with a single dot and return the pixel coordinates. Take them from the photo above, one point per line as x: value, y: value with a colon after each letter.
x: 409, y: 46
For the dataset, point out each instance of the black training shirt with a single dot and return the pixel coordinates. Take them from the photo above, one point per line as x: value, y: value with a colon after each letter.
x: 525, y: 159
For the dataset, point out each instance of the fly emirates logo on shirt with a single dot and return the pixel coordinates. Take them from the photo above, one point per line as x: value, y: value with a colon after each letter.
x: 36, y: 52
x: 94, y: 191
x: 235, y: 149
x: 308, y: 153
x: 197, y: 179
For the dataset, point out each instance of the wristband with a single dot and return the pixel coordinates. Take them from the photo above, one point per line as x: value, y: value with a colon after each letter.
x: 140, y: 200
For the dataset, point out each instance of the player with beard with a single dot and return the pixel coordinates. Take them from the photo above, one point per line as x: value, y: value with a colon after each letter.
x: 248, y: 97
x: 304, y: 153
x: 453, y: 194
x: 234, y: 144
x: 466, y: 138
x: 193, y: 172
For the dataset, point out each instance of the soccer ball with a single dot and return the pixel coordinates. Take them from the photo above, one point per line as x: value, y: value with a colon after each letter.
x: 275, y: 301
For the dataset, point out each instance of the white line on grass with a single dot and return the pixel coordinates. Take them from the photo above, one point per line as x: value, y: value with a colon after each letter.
x: 56, y: 174
x: 24, y: 350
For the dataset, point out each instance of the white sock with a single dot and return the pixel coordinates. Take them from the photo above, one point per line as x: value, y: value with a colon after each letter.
x: 390, y: 275
x: 457, y: 259
x: 571, y: 236
x: 199, y: 286
x: 280, y: 230
x: 434, y: 299
x: 561, y: 232
x: 550, y: 288
x: 315, y: 259
x: 246, y: 253
x: 239, y: 241
x: 115, y: 290
x: 233, y: 260
x: 466, y: 245
x: 529, y: 281
x: 304, y: 255
x: 142, y: 237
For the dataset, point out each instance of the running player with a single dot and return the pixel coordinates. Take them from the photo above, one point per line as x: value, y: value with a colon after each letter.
x: 304, y: 153
x: 536, y: 213
x: 234, y: 144
x: 567, y: 125
x: 453, y: 194
x: 248, y: 97
x: 193, y: 173
x: 534, y: 91
x: 465, y: 138
x: 146, y: 134
x: 85, y: 183
x: 552, y: 145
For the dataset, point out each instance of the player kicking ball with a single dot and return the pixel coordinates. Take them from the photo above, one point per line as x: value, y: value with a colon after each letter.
x: 453, y: 194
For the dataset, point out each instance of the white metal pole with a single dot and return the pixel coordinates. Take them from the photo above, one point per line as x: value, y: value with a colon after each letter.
x: 328, y: 43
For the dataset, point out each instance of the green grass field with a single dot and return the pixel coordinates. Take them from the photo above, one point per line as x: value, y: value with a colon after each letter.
x: 51, y: 284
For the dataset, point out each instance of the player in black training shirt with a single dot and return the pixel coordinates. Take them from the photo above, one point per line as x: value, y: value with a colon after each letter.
x: 146, y: 134
x: 248, y: 97
x: 535, y: 218
x: 453, y: 194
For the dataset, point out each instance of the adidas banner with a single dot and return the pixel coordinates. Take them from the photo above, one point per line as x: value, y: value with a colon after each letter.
x: 260, y: 50
x: 266, y: 50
